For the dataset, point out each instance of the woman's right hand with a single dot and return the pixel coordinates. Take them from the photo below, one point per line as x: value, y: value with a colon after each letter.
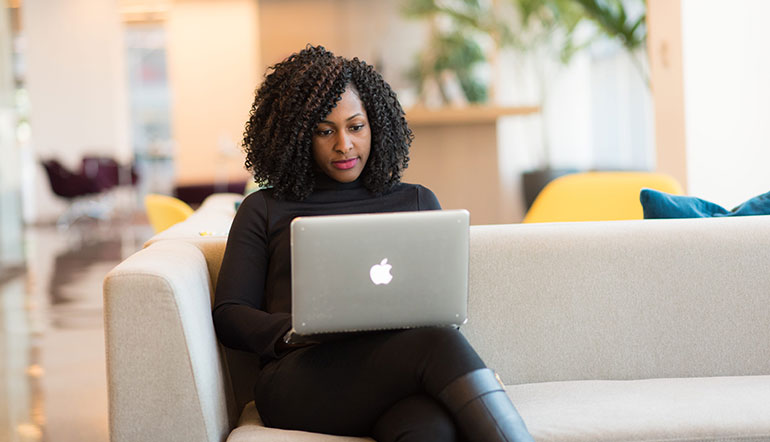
x: 281, y: 346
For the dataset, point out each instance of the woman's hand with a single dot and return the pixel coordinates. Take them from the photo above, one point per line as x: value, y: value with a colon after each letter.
x: 281, y: 346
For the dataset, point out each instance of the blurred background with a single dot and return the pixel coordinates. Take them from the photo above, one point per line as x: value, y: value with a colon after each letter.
x: 105, y: 101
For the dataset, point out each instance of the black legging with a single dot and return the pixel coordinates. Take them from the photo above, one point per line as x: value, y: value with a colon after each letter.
x: 381, y: 385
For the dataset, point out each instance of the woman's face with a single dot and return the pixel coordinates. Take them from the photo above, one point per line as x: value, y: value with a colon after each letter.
x: 341, y: 142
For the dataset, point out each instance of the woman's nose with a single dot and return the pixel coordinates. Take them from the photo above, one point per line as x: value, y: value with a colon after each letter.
x: 344, y: 142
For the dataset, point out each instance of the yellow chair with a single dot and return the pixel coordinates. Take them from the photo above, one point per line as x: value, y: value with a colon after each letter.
x: 597, y: 196
x: 164, y: 211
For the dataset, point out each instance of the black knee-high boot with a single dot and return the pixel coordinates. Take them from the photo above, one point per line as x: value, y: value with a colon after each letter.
x: 483, y: 411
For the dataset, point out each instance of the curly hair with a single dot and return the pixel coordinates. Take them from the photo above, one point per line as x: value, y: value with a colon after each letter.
x: 299, y: 93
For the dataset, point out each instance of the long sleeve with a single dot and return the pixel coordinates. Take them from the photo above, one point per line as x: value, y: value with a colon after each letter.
x: 252, y: 304
x: 239, y: 318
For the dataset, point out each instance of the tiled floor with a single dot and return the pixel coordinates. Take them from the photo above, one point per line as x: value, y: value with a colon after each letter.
x: 52, y: 369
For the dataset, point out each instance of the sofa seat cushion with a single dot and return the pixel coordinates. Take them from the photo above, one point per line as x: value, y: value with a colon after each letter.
x: 681, y: 409
x: 251, y: 429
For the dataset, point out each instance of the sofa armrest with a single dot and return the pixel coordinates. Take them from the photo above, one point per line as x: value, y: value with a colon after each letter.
x: 166, y: 378
x: 211, y: 222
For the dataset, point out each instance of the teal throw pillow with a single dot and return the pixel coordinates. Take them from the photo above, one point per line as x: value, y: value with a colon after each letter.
x: 657, y: 204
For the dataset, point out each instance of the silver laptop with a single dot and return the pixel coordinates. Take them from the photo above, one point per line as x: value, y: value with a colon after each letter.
x: 378, y: 272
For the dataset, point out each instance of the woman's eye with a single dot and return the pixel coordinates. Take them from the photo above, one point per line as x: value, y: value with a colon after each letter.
x: 323, y: 132
x: 357, y: 127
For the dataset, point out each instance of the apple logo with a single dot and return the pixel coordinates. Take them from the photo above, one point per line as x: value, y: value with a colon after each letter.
x: 380, y: 273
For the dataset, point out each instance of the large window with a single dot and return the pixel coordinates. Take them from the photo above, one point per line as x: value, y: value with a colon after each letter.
x: 149, y: 101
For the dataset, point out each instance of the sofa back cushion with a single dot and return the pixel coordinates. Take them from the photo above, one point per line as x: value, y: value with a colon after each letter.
x: 621, y: 299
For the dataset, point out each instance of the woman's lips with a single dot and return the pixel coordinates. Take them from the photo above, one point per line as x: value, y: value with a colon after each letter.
x: 345, y: 164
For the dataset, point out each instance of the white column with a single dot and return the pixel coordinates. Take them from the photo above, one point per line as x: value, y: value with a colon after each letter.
x: 75, y: 75
x: 726, y: 60
x: 10, y: 178
x: 710, y: 64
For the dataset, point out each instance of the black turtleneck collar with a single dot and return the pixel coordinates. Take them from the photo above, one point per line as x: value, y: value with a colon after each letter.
x: 324, y: 182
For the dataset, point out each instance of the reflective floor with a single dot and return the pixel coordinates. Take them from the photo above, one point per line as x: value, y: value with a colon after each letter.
x: 52, y: 374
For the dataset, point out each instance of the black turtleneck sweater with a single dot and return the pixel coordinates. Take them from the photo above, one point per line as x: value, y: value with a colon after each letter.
x: 252, y: 305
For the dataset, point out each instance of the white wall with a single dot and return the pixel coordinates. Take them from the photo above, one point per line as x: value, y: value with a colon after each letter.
x: 372, y: 30
x: 212, y: 56
x: 621, y: 109
x: 726, y: 61
x: 76, y: 82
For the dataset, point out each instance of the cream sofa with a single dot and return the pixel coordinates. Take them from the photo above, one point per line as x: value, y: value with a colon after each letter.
x: 654, y: 330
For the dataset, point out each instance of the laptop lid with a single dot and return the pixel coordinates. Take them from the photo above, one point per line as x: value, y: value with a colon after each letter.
x: 379, y: 271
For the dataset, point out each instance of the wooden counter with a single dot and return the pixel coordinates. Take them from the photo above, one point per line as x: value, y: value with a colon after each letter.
x: 455, y: 154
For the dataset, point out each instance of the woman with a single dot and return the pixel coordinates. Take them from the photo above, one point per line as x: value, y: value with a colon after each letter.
x: 328, y: 136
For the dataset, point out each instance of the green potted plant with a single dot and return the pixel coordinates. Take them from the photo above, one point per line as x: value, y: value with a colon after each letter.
x: 546, y: 28
x: 454, y: 49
